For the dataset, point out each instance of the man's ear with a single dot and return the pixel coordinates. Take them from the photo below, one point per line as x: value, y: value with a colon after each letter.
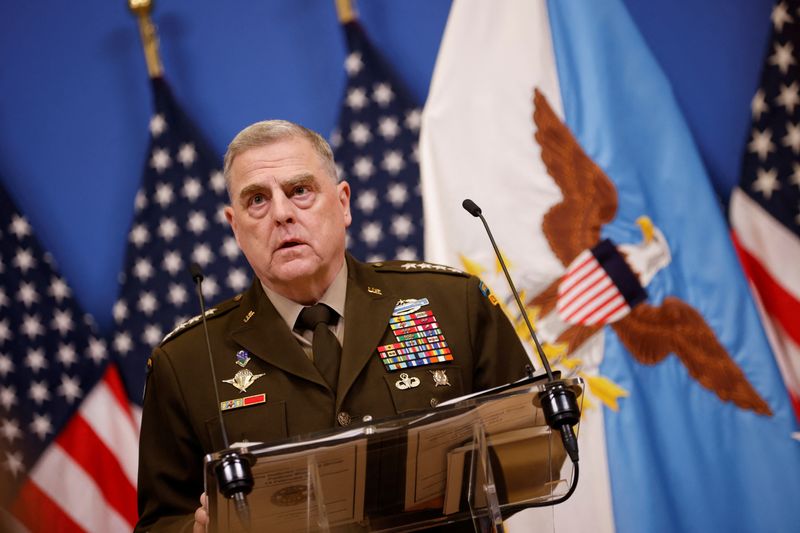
x: 343, y: 189
x: 229, y: 216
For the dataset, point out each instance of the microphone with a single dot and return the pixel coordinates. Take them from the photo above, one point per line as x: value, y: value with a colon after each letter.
x: 559, y: 403
x: 234, y: 475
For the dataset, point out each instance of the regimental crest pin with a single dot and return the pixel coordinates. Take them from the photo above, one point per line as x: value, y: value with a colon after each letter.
x: 440, y: 378
x: 406, y: 382
x: 243, y: 379
x: 242, y: 358
x: 404, y: 307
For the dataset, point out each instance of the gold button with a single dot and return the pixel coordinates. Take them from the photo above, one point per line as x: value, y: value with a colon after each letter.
x: 343, y: 418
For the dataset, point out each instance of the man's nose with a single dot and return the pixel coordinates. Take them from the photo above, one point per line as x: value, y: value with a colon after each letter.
x: 282, y: 209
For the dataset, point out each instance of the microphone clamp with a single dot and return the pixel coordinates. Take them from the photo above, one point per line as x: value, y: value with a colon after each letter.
x: 560, y: 407
x: 235, y: 479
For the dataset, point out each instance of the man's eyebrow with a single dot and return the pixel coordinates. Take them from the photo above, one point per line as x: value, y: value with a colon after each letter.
x: 299, y: 179
x: 251, y: 189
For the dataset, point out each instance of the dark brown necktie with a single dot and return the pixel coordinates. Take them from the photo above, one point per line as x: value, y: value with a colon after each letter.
x: 325, y: 347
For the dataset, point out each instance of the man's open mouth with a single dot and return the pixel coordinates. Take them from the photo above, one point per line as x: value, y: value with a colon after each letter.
x: 290, y: 244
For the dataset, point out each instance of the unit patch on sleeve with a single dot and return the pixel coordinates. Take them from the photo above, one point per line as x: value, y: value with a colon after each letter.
x: 419, y: 340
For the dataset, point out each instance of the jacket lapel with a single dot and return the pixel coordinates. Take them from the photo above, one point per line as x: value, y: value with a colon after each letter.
x: 263, y: 333
x: 367, y: 312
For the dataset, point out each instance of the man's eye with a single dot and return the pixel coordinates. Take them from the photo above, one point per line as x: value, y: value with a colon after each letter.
x: 300, y: 190
x: 257, y: 199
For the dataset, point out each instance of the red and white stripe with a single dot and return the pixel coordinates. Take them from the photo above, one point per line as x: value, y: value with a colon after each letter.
x: 86, y: 479
x: 770, y: 255
x: 587, y: 295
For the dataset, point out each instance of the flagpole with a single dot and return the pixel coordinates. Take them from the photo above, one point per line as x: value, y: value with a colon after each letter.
x: 346, y: 10
x: 142, y: 8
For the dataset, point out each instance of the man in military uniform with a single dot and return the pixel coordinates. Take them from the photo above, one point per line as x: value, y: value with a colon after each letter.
x: 400, y: 335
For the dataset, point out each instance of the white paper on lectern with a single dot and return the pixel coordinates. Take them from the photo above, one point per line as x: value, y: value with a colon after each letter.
x: 279, y: 502
x: 426, y: 461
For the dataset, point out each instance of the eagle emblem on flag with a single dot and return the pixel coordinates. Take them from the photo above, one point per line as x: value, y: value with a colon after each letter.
x: 604, y: 283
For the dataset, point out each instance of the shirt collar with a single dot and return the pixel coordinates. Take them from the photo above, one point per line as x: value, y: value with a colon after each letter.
x: 334, y: 298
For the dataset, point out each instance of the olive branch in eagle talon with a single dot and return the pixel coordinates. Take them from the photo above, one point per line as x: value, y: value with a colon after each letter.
x: 650, y: 333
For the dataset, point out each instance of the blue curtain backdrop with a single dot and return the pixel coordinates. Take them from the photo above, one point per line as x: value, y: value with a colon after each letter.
x: 76, y: 100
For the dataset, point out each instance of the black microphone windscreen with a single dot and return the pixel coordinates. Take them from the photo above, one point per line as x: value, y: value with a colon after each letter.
x: 196, y: 271
x: 471, y: 207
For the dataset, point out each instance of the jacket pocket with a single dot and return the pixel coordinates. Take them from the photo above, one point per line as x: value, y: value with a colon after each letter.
x: 425, y: 387
x: 257, y: 423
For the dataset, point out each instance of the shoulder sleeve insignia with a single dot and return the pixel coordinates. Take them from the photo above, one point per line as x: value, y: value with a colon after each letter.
x: 487, y: 292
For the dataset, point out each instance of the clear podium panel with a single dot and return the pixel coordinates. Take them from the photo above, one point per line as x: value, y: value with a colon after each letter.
x: 480, y: 458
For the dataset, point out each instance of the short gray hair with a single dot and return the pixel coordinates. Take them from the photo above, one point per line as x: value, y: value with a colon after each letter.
x: 267, y: 132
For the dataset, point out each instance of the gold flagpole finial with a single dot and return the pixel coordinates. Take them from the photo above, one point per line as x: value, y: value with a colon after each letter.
x: 142, y: 8
x: 346, y: 10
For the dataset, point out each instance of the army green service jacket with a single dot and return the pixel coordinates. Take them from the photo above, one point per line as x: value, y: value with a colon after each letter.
x: 180, y: 421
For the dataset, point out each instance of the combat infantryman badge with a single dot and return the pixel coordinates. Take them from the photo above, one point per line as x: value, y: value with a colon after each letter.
x: 404, y: 307
x: 243, y: 379
x: 406, y: 382
x: 440, y: 378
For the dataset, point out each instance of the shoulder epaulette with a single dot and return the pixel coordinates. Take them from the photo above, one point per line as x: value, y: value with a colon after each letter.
x: 416, y: 266
x: 214, y: 312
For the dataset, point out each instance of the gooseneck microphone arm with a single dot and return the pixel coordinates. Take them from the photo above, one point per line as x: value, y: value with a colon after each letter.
x: 197, y: 277
x: 233, y: 471
x: 473, y: 209
x: 559, y: 403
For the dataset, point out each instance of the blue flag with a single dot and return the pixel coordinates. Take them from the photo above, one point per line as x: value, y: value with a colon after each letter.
x: 679, y: 458
x: 556, y: 119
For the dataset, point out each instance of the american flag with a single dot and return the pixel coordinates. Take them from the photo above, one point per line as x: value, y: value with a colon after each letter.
x: 178, y: 220
x: 375, y: 144
x: 765, y: 207
x: 68, y: 442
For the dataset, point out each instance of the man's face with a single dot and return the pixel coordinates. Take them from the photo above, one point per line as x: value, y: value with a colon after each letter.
x: 289, y: 217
